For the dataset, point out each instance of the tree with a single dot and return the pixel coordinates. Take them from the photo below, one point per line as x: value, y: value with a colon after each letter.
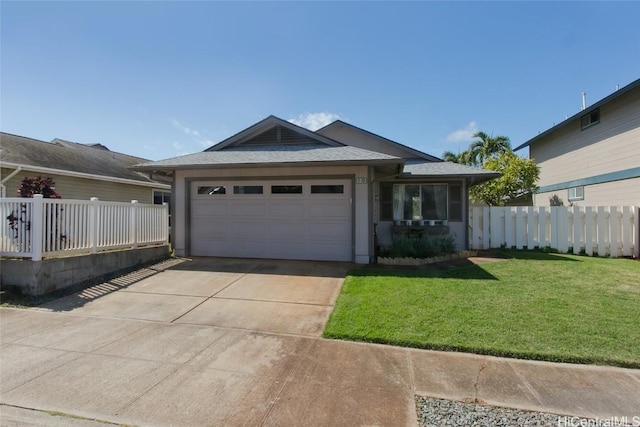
x: 486, y: 147
x: 462, y: 158
x: 45, y: 186
x: 28, y: 187
x: 519, y: 177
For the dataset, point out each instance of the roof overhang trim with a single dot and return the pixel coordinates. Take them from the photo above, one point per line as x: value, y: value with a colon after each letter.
x: 86, y: 175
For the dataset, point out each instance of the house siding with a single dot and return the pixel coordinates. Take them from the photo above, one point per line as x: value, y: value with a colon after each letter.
x: 83, y: 188
x: 604, y: 149
x: 362, y: 239
x: 617, y: 193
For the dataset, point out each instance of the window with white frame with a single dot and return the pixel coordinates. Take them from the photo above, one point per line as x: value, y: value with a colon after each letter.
x: 160, y: 197
x: 576, y: 193
x: 420, y: 202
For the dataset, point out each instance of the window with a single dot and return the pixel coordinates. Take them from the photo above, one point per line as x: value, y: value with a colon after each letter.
x: 576, y: 193
x: 247, y: 189
x: 286, y: 189
x: 212, y: 190
x: 160, y: 197
x: 455, y: 202
x: 590, y: 119
x: 386, y: 201
x: 327, y: 189
x: 420, y: 202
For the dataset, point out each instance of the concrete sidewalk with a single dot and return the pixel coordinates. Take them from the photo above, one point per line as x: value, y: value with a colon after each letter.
x: 158, y: 373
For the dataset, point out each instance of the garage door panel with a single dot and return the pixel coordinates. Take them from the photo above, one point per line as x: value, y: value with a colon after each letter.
x: 286, y: 210
x: 247, y: 230
x: 308, y: 226
x: 201, y: 208
x: 245, y: 249
x: 243, y: 209
x: 208, y: 247
x: 332, y: 209
x: 323, y: 231
x: 283, y: 230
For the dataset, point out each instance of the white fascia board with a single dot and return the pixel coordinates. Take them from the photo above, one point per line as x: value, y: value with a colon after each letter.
x: 87, y: 176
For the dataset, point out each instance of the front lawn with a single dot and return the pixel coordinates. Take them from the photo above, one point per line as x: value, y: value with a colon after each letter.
x: 533, y: 305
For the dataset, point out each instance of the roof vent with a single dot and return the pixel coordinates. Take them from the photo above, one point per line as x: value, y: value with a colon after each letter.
x: 584, y: 100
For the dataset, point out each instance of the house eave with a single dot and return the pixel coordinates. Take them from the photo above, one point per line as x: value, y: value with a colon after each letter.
x: 43, y: 170
x: 269, y: 165
x: 581, y: 113
x: 472, y: 179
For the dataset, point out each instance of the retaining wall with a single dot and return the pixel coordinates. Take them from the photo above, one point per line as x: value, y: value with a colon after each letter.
x: 50, y: 275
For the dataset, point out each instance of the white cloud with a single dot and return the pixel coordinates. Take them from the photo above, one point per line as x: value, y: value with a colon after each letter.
x: 196, y: 136
x: 187, y: 131
x: 314, y: 121
x: 465, y: 134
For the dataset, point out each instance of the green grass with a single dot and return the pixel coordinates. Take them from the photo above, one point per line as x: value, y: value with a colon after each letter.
x: 533, y: 305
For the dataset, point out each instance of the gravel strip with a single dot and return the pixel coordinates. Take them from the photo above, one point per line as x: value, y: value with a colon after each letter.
x: 439, y: 412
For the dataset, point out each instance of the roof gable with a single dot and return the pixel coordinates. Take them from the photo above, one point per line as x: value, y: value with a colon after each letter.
x: 274, y: 131
x: 357, y: 137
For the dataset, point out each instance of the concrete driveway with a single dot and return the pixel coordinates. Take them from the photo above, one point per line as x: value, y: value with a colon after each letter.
x: 209, y: 342
x: 287, y: 297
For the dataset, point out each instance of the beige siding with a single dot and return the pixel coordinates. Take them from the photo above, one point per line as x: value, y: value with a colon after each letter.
x: 360, y: 139
x: 609, y: 146
x: 616, y: 193
x: 83, y: 188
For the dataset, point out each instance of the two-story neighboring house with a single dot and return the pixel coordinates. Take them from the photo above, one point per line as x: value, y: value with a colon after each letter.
x: 593, y: 157
x: 80, y: 171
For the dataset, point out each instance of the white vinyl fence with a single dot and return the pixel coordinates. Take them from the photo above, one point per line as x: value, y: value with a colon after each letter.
x: 38, y: 227
x: 603, y: 230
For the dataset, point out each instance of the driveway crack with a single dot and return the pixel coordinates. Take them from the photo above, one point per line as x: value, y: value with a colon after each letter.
x: 208, y: 298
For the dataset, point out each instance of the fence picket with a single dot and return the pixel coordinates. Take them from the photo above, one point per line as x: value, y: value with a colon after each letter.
x: 49, y: 227
x: 601, y: 230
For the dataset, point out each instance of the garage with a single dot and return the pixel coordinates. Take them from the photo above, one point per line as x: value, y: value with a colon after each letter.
x: 281, y: 219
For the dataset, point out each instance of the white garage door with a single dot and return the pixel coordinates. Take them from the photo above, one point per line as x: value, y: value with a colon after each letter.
x: 291, y: 219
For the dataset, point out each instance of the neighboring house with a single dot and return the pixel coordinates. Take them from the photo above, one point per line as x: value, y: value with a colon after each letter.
x: 79, y: 171
x: 277, y: 190
x: 593, y: 157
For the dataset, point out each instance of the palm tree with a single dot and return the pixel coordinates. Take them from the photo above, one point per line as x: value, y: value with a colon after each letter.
x: 487, y: 146
x: 462, y: 158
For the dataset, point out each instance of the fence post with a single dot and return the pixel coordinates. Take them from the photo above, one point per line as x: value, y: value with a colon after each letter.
x: 37, y: 227
x: 93, y: 225
x: 165, y: 220
x: 636, y: 236
x: 133, y: 224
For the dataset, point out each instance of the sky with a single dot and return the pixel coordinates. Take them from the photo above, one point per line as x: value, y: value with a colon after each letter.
x: 161, y: 79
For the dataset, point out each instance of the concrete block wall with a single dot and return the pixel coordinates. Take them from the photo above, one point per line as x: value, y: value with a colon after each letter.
x: 53, y: 274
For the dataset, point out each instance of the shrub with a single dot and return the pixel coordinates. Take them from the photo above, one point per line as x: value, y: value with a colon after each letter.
x: 425, y: 247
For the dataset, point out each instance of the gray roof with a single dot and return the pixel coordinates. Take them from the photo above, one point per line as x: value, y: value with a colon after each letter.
x: 631, y: 86
x: 419, y: 167
x: 414, y: 152
x: 64, y: 155
x: 272, y: 155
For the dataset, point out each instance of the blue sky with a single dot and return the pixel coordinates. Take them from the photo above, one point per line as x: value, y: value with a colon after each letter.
x: 162, y: 79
